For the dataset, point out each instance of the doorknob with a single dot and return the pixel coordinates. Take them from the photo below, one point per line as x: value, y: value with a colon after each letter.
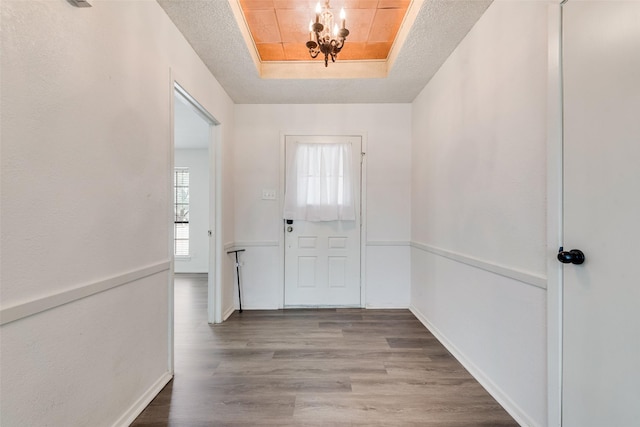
x: 289, y: 229
x: 574, y: 256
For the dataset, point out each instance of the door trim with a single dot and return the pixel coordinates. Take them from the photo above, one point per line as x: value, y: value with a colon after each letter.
x: 214, y: 289
x: 363, y: 208
x: 555, y: 186
x: 214, y: 306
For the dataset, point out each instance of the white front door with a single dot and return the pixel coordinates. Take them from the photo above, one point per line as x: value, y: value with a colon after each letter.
x: 601, y: 333
x: 322, y: 259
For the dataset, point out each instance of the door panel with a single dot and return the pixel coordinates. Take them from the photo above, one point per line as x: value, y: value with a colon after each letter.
x: 601, y: 327
x: 322, y: 259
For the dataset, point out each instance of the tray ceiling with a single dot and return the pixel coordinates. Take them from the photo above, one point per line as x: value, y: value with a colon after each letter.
x: 279, y: 28
x: 212, y: 29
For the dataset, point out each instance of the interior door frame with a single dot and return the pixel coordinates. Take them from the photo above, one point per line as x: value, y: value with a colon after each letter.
x: 214, y: 289
x: 363, y: 206
x: 555, y: 212
x: 583, y: 286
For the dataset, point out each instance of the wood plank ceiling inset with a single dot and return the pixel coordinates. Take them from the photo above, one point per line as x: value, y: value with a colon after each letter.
x: 280, y: 28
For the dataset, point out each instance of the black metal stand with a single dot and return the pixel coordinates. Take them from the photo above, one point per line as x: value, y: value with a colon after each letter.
x: 238, y: 274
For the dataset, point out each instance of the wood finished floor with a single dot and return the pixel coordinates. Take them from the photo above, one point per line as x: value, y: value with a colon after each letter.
x: 338, y: 367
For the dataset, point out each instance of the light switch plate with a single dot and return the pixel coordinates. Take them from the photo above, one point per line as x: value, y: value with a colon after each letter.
x: 268, y: 194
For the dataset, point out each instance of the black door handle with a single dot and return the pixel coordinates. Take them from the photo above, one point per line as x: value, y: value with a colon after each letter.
x: 574, y: 256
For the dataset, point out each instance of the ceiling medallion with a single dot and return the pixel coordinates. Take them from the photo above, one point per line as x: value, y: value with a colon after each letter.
x: 322, y: 38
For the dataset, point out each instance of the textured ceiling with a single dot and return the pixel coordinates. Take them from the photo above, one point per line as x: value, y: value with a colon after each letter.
x: 211, y: 29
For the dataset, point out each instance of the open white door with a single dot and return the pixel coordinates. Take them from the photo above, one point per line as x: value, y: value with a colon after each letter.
x: 601, y: 333
x: 322, y: 259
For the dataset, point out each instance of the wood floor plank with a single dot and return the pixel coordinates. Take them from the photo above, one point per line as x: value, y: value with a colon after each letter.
x: 319, y: 343
x: 321, y: 367
x: 298, y: 368
x: 370, y: 408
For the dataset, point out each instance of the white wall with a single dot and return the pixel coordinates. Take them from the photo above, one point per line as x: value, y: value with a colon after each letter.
x: 86, y: 198
x: 478, y: 205
x: 197, y: 160
x: 387, y: 129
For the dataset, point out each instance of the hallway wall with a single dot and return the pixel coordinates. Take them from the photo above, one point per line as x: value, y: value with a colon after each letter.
x: 259, y: 226
x: 86, y: 175
x: 478, y: 205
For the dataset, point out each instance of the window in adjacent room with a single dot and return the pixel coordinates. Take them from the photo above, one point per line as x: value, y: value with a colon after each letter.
x: 181, y: 212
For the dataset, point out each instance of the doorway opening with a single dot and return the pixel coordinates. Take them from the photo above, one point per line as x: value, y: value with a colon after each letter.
x: 195, y: 244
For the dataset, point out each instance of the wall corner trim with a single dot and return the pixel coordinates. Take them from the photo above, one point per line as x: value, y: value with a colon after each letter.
x: 501, y: 397
x: 526, y: 277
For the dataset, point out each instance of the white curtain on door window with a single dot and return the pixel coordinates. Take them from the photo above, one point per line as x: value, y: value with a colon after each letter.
x: 319, y: 183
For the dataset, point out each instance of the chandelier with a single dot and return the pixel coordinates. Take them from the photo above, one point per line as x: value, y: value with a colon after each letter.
x: 325, y: 36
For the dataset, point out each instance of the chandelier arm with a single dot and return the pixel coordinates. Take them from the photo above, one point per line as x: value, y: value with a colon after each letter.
x: 321, y: 31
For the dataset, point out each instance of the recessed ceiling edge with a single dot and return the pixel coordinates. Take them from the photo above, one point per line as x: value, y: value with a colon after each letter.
x: 342, y: 69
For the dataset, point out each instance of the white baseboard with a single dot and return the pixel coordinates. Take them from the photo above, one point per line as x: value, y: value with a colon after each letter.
x: 191, y: 272
x: 385, y: 307
x: 261, y: 308
x: 272, y: 308
x: 496, y: 392
x: 228, y: 312
x: 139, y: 405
